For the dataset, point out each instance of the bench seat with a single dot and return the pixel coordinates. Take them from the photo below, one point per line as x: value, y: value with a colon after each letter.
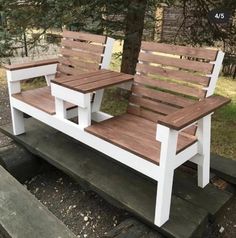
x: 41, y: 99
x: 135, y: 134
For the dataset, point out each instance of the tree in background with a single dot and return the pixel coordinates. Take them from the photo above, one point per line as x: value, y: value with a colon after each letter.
x: 119, y: 18
x: 122, y: 19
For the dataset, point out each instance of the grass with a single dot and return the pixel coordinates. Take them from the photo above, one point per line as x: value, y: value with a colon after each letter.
x: 224, y: 121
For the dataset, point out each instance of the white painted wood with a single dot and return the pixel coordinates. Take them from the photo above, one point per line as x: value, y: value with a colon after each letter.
x: 60, y: 108
x: 33, y: 72
x: 97, y: 100
x: 204, y: 139
x: 49, y: 77
x: 18, y: 123
x: 131, y: 160
x: 85, y: 113
x: 100, y: 116
x: 215, y: 74
x: 68, y: 95
x: 107, y: 53
x: 168, y: 139
x: 106, y: 60
x: 185, y: 155
x: 16, y: 115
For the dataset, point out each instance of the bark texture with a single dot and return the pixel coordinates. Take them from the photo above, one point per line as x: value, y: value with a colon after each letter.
x: 133, y: 35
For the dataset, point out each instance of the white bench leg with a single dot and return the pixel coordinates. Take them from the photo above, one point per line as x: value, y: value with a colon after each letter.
x: 168, y: 139
x: 204, y: 137
x: 16, y: 115
x: 84, y: 113
x: 60, y: 108
x: 17, y: 121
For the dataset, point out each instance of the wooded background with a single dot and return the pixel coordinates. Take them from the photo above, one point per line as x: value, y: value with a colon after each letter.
x: 24, y: 23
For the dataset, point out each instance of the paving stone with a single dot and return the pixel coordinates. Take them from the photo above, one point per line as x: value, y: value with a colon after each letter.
x: 224, y: 168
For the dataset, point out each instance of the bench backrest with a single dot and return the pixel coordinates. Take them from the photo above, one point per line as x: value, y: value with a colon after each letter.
x: 83, y: 52
x: 169, y: 77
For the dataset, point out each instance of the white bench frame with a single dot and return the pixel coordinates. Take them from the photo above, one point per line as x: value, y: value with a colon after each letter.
x: 199, y: 152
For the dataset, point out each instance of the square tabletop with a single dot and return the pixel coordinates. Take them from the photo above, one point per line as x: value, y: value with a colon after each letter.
x: 92, y: 81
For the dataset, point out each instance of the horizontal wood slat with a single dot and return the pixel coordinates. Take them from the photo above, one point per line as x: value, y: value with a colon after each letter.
x: 84, y: 36
x: 89, y: 87
x: 141, y: 112
x: 90, y: 80
x: 93, y: 81
x: 63, y: 80
x: 78, y: 64
x: 95, y: 49
x: 38, y: 63
x: 162, y: 96
x: 170, y: 86
x: 81, y: 56
x: 40, y: 98
x: 127, y: 131
x: 185, y: 116
x: 152, y: 105
x: 173, y: 74
x: 176, y: 62
x: 69, y: 70
x: 201, y: 53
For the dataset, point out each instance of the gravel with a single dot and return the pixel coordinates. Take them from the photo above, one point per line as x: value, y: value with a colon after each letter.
x: 84, y: 212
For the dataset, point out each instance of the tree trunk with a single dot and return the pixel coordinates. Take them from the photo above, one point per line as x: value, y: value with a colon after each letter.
x: 25, y: 44
x: 133, y: 35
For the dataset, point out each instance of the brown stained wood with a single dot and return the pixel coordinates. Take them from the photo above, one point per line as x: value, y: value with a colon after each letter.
x: 170, y: 86
x: 127, y: 131
x: 92, y: 80
x: 84, y: 36
x: 85, y: 46
x: 70, y: 70
x: 152, y: 105
x: 176, y: 62
x: 140, y: 112
x: 67, y: 79
x: 81, y: 55
x: 40, y: 98
x: 185, y: 116
x: 190, y: 130
x: 30, y: 65
x: 107, y: 82
x: 201, y: 53
x: 173, y: 74
x: 78, y: 64
x: 161, y: 96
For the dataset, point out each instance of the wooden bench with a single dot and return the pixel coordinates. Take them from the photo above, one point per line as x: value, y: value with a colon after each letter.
x: 80, y: 53
x: 168, y: 120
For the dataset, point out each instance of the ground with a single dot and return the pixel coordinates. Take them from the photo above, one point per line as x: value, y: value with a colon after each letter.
x: 84, y: 212
x: 88, y: 215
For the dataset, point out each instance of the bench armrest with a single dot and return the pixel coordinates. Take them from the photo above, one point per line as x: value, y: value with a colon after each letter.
x: 190, y: 114
x: 13, y: 67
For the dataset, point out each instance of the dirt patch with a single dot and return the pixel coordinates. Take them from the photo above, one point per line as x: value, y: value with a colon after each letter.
x: 225, y: 224
x: 84, y: 212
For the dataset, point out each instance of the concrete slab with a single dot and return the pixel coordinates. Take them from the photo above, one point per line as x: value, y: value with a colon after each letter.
x: 224, y: 168
x: 119, y: 184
